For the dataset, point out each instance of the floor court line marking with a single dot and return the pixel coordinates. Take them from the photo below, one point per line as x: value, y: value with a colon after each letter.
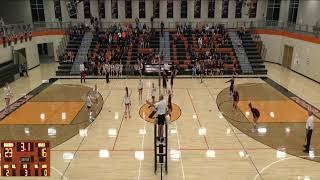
x: 62, y: 176
x: 205, y: 139
x: 275, y: 162
x: 115, y: 141
x: 142, y: 144
x: 77, y: 150
x: 182, y: 167
x: 233, y: 130
x: 182, y: 149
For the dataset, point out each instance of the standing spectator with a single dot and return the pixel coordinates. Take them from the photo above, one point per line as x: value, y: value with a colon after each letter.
x: 120, y: 69
x: 82, y: 73
x: 162, y: 27
x: 24, y: 69
x: 107, y: 71
x: 7, y: 96
x: 140, y: 88
x: 200, y: 42
x: 194, y: 71
x: 309, y: 129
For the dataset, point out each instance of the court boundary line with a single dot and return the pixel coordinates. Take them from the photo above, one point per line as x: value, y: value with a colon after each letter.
x: 236, y: 135
x: 199, y: 123
x: 83, y: 138
x: 118, y: 132
x: 280, y: 160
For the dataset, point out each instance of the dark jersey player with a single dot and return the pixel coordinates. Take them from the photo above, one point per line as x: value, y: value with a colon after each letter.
x: 231, y: 85
x: 256, y: 114
x: 235, y: 97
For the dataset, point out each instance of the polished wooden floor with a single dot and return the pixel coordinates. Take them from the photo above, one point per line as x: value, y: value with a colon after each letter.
x: 276, y: 111
x: 236, y: 156
x: 44, y: 113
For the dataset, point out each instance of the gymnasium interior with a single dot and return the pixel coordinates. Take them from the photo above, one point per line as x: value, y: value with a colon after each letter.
x: 160, y: 89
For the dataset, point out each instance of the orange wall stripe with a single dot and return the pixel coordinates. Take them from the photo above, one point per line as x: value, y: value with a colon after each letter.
x: 303, y: 37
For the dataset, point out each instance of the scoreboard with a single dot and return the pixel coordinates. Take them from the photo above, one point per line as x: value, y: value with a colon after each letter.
x: 25, y: 158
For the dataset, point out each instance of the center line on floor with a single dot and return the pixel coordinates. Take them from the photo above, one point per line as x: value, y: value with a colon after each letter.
x: 194, y: 109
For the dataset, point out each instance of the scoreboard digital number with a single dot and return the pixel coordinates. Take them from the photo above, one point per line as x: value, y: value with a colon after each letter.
x: 25, y: 158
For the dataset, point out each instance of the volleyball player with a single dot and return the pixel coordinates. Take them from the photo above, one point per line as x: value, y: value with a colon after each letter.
x: 169, y: 102
x: 231, y: 85
x: 7, y: 96
x: 256, y: 114
x: 127, y: 102
x: 89, y: 105
x: 164, y: 80
x: 140, y: 88
x: 172, y: 78
x: 235, y: 97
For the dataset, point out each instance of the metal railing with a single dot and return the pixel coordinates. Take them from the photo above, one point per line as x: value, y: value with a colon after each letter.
x: 290, y: 27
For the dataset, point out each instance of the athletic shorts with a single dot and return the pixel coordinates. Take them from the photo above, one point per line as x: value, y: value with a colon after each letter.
x: 161, y: 119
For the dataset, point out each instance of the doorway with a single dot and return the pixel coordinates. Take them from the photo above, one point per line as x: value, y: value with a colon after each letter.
x: 287, y: 56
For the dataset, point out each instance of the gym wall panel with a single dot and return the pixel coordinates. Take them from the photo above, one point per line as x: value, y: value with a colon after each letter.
x: 31, y: 47
x: 305, y: 53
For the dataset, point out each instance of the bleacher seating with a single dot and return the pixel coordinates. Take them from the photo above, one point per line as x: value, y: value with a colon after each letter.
x: 254, y: 57
x: 184, y: 50
x: 8, y: 70
x: 65, y: 66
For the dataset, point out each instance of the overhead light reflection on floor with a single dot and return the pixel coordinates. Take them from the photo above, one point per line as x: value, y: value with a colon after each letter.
x: 112, y: 132
x: 83, y: 132
x: 247, y: 114
x: 68, y: 156
x: 194, y: 116
x: 175, y: 155
x: 311, y: 153
x: 142, y: 131
x: 202, y: 131
x: 116, y: 115
x: 173, y: 131
x: 220, y: 115
x: 42, y: 116
x: 103, y: 153
x: 27, y: 131
x: 243, y: 154
x: 281, y: 153
x: 287, y: 130
x: 262, y: 130
x: 139, y: 155
x: 63, y: 116
x: 306, y: 178
x: 272, y: 114
x: 228, y: 131
x: 211, y: 154
x: 52, y: 132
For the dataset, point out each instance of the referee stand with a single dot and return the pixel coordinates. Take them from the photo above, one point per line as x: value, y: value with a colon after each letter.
x: 160, y: 150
